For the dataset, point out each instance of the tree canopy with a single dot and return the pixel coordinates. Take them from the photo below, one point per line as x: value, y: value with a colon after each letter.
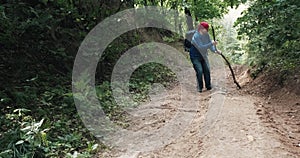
x: 272, y: 31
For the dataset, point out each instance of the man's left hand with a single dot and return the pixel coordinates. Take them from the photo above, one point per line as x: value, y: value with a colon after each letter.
x: 218, y: 52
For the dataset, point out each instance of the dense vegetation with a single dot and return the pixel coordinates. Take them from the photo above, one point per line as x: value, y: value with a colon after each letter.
x: 272, y: 31
x: 38, y: 43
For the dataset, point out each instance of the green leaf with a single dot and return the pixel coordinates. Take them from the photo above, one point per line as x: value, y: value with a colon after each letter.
x: 19, y: 142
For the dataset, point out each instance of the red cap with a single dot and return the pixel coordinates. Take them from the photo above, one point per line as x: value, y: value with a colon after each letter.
x: 203, y: 25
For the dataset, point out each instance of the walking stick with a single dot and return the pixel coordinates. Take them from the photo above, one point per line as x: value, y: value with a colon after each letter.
x: 233, y: 76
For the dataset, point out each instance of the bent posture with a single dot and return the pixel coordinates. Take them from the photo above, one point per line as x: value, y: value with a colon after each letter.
x: 201, y: 42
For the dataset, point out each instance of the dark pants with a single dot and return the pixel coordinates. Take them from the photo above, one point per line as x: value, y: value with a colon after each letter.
x: 201, y: 68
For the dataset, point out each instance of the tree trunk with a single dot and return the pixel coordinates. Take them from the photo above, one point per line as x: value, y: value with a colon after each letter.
x: 189, y: 19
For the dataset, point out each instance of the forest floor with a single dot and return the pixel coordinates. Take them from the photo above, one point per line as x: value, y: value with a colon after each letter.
x: 259, y: 120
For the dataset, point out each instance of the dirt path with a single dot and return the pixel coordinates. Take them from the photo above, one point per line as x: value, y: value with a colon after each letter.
x: 224, y: 124
x: 239, y: 133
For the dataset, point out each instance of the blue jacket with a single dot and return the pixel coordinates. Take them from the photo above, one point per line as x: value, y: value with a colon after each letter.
x: 202, y: 43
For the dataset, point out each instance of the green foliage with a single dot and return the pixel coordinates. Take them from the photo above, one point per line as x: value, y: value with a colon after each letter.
x: 57, y: 133
x: 272, y: 29
x: 106, y: 99
x: 38, y: 44
x: 174, y: 38
x: 139, y: 85
x: 231, y: 47
x: 26, y: 138
x: 201, y: 9
x: 206, y: 10
x: 143, y: 77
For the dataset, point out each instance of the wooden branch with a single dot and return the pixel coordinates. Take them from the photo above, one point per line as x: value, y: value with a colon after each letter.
x: 231, y: 70
x: 232, y: 73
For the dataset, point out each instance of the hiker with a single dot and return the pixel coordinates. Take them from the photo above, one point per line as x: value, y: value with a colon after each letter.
x: 198, y: 54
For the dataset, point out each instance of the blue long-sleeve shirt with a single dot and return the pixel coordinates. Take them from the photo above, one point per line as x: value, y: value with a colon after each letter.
x: 202, y: 43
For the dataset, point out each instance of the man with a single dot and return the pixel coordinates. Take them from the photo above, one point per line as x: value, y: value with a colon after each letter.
x: 198, y: 53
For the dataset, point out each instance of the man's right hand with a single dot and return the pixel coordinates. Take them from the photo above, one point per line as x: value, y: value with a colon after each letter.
x: 214, y: 42
x: 218, y: 52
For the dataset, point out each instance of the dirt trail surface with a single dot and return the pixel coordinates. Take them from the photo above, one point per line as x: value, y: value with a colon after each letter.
x: 225, y: 123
